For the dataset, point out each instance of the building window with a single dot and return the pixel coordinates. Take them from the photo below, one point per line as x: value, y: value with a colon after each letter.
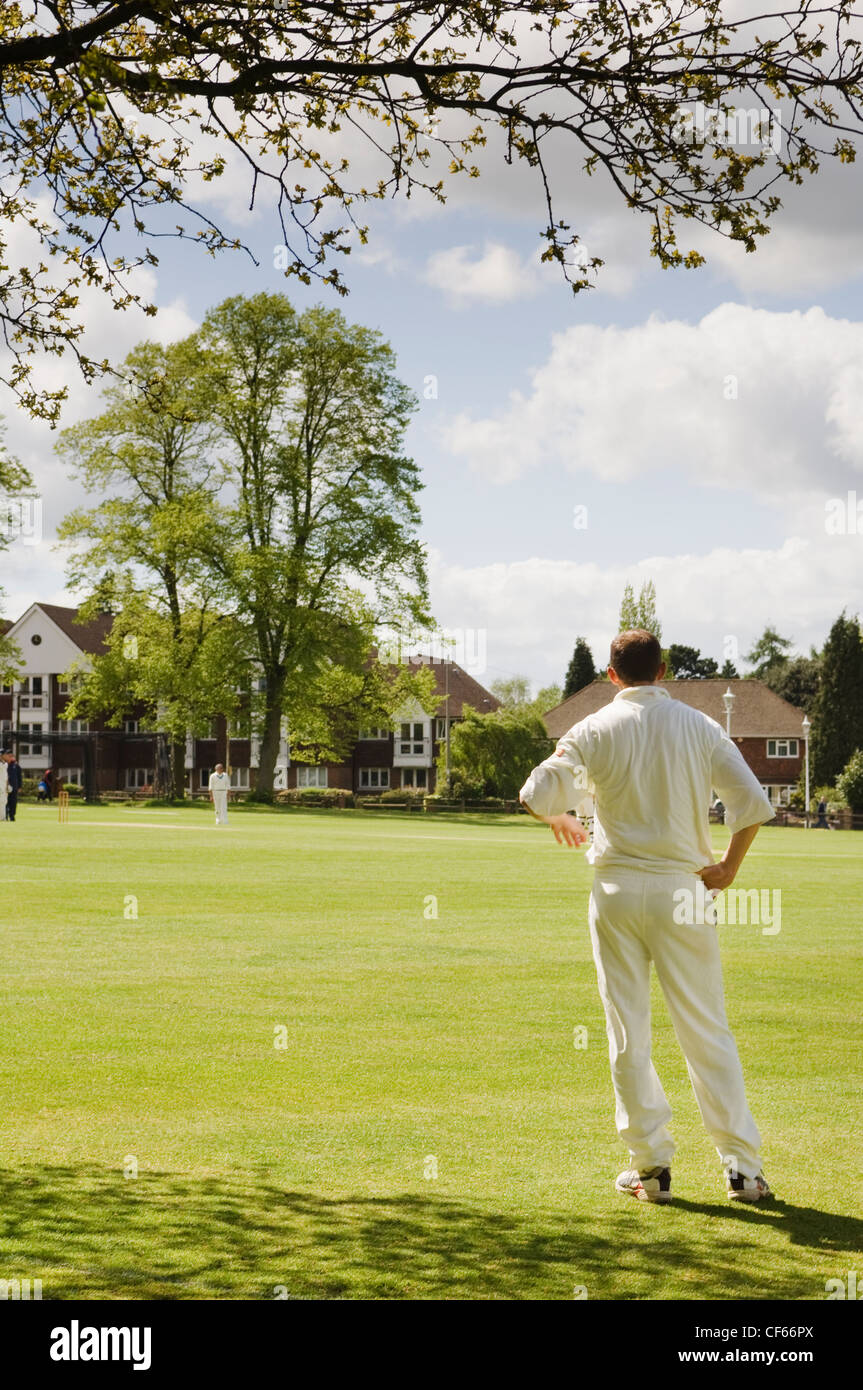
x: 6, y: 690
x: 240, y: 728
x: 131, y: 726
x: 782, y: 748
x: 776, y: 795
x: 204, y: 779
x: 240, y: 778
x: 411, y: 739
x: 75, y: 775
x: 374, y: 733
x: 139, y: 777
x: 31, y: 750
x: 311, y: 776
x: 440, y: 729
x: 374, y: 779
x: 74, y: 726
x: 62, y: 687
x: 414, y: 777
x: 30, y: 696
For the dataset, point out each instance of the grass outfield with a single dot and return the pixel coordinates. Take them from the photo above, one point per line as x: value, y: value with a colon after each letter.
x: 307, y: 1169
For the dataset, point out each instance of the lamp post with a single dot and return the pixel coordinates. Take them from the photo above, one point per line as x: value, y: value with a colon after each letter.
x: 806, y: 727
x: 446, y: 729
x: 728, y: 701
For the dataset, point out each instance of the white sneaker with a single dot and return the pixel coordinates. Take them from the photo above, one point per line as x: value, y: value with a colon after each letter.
x: 648, y: 1185
x: 742, y: 1189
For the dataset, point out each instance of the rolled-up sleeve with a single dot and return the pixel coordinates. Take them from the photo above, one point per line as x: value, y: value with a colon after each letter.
x: 560, y: 783
x: 738, y: 787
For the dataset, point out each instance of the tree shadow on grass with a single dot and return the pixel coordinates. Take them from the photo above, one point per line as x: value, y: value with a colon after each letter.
x: 805, y: 1226
x: 88, y: 1233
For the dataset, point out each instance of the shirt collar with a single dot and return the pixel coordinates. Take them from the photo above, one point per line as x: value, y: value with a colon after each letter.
x: 641, y: 692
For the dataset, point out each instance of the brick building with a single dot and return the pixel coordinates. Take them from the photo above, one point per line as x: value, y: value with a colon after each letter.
x: 767, y: 729
x: 134, y: 759
x: 404, y: 755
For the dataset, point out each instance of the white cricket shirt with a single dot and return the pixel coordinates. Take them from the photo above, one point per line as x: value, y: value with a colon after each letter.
x: 649, y: 764
x: 219, y: 782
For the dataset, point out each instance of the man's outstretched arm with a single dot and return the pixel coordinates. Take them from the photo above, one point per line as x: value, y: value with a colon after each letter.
x: 551, y: 789
x: 568, y: 830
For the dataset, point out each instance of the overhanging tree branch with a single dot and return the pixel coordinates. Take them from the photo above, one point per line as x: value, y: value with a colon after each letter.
x: 103, y: 109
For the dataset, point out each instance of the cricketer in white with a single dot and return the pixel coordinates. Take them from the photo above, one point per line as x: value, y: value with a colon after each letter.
x: 647, y: 765
x: 218, y: 786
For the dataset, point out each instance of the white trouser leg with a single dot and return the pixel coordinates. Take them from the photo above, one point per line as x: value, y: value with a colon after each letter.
x: 623, y: 973
x: 689, y: 968
x: 220, y: 802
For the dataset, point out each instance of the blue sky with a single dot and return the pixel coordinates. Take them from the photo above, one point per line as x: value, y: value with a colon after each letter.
x: 703, y: 418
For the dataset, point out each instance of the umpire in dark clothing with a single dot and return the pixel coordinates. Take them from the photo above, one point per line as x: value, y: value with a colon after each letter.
x: 16, y: 777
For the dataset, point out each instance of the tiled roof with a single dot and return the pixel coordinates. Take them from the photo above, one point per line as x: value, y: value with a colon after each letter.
x: 758, y: 712
x: 89, y: 636
x: 463, y: 689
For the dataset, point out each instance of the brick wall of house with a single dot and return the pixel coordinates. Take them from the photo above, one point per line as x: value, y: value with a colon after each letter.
x: 339, y: 775
x: 784, y: 771
x: 241, y: 752
x: 375, y: 752
x: 205, y: 758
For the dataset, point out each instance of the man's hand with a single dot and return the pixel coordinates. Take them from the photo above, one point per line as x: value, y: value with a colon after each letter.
x: 568, y: 830
x: 723, y: 874
x: 717, y: 876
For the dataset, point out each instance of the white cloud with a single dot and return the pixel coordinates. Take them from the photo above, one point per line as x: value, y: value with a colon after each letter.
x: 531, y: 611
x: 745, y: 398
x: 495, y: 276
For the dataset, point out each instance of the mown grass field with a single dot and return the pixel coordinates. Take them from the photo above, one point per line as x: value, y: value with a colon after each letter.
x: 427, y: 1129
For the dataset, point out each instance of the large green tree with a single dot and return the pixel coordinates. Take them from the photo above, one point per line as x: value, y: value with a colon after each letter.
x: 797, y: 680
x: 837, y: 711
x: 149, y: 457
x: 316, y: 544
x: 119, y: 114
x: 581, y: 670
x: 514, y: 693
x: 496, y: 750
x: 176, y: 674
x: 640, y: 612
x: 687, y: 663
x: 769, y: 654
x: 849, y: 783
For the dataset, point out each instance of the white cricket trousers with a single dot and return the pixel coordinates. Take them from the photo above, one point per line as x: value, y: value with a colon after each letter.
x: 220, y: 802
x: 631, y: 924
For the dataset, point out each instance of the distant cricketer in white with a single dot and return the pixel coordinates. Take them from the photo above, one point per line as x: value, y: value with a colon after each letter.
x: 219, y: 784
x: 647, y: 765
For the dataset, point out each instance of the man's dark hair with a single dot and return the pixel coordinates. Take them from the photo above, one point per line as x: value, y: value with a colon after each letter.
x: 636, y: 655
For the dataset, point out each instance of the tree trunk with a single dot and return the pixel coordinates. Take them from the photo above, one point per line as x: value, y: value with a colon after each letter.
x: 178, y: 770
x: 271, y: 739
